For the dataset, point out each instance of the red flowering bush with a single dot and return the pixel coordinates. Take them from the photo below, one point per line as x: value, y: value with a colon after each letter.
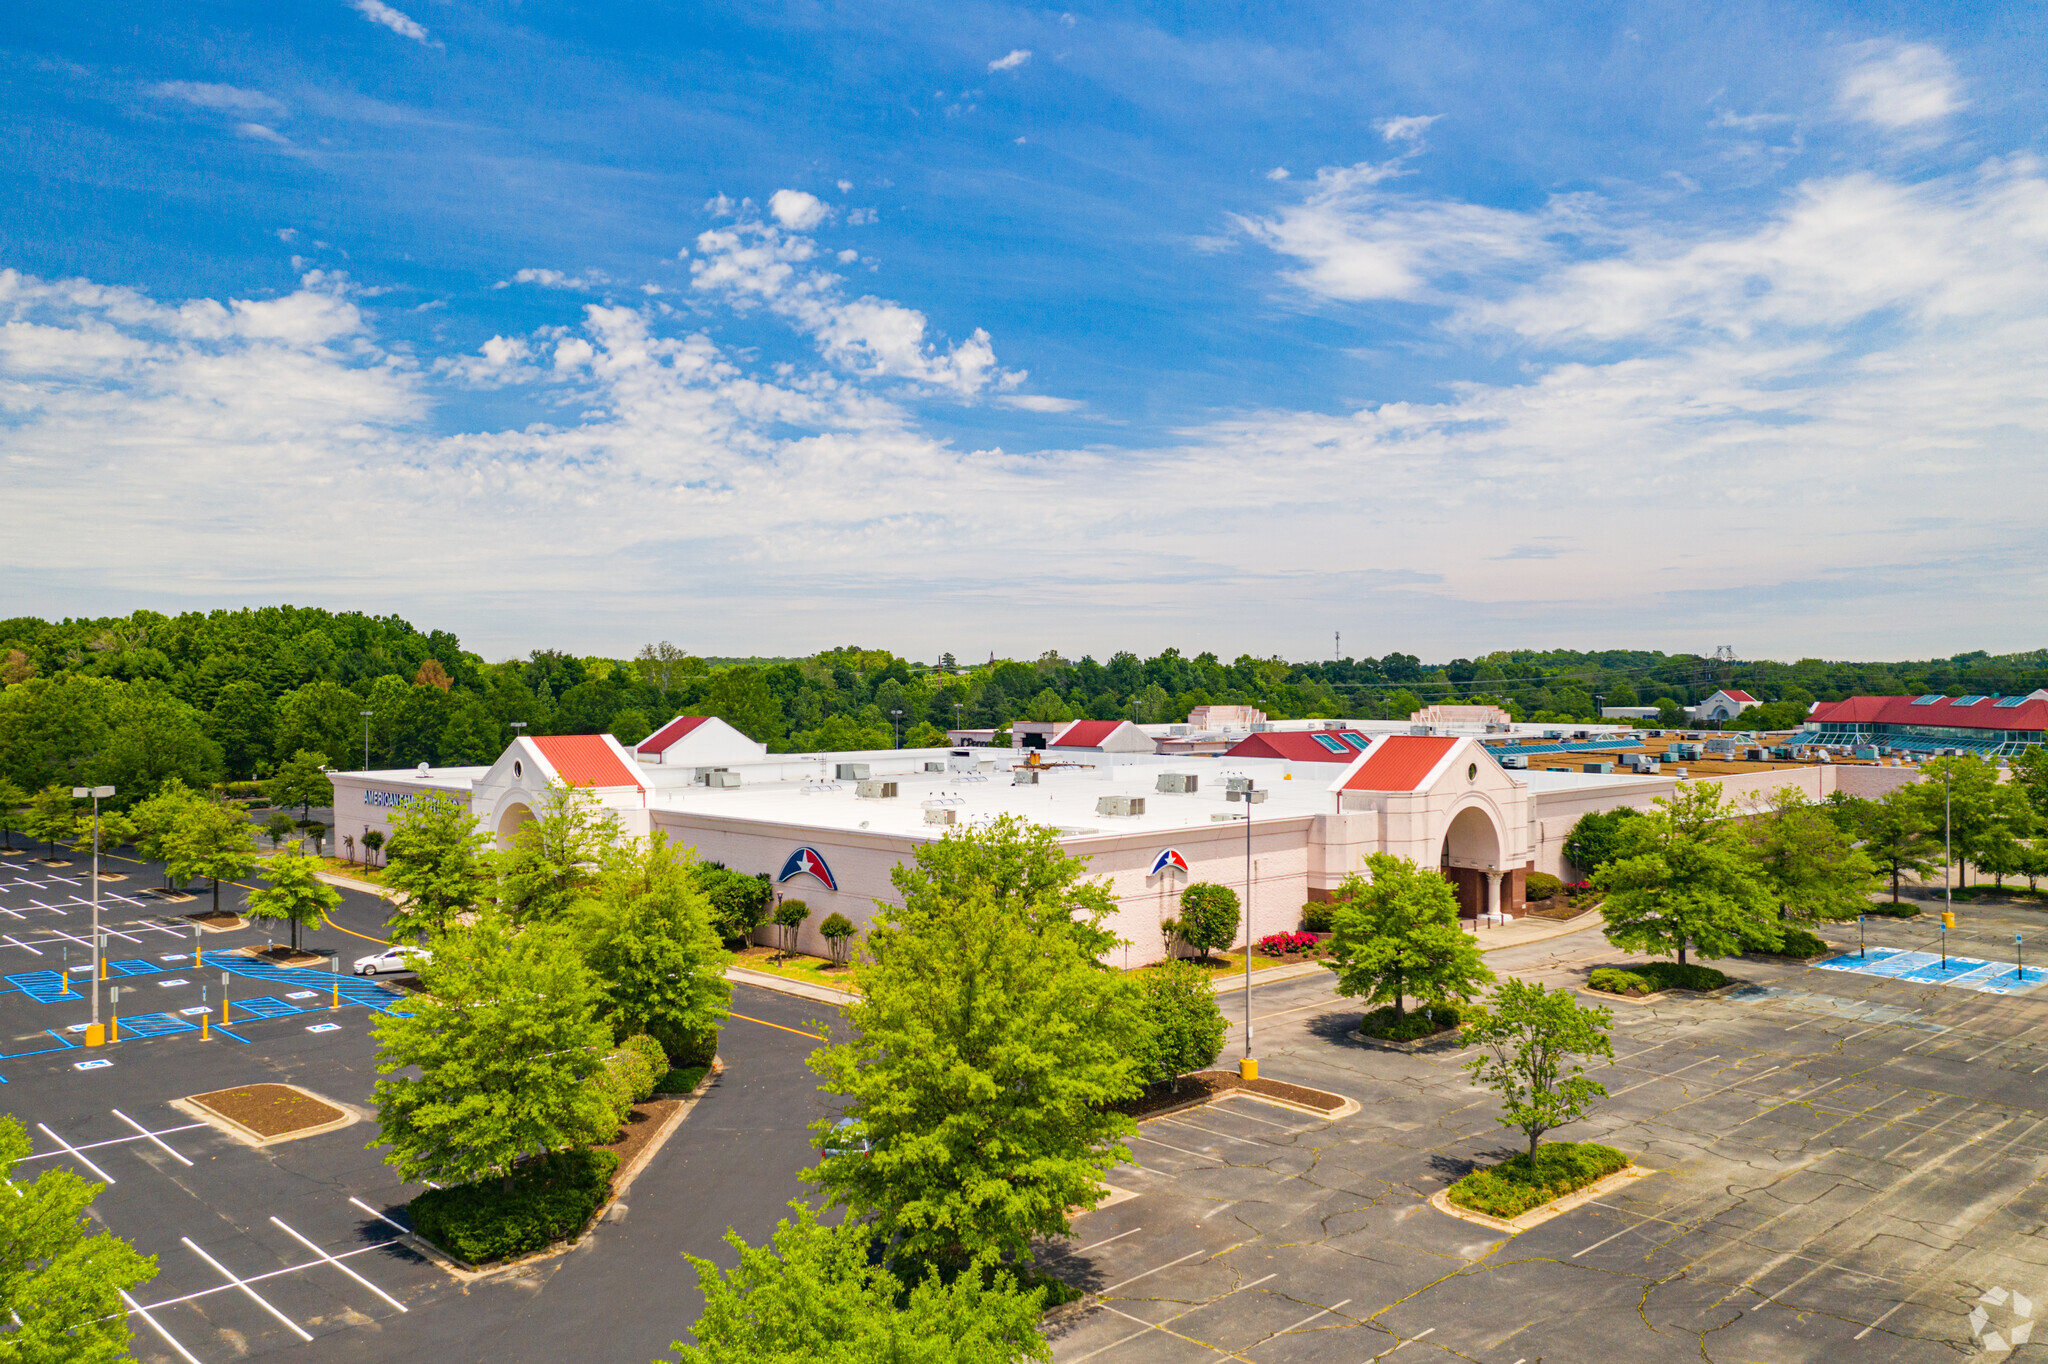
x: 1280, y: 944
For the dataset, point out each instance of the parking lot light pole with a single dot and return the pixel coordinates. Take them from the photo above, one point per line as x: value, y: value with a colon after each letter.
x: 93, y: 1034
x: 1248, y: 1066
x: 366, y: 737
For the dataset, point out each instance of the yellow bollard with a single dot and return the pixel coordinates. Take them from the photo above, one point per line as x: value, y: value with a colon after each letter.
x: 103, y: 968
x: 204, y: 1019
x: 95, y: 1035
x: 223, y: 1013
x: 337, y: 994
x: 199, y: 956
x: 115, y: 1035
x: 1248, y: 1068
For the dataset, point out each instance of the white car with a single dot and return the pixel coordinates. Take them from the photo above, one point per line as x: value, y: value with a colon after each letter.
x: 391, y: 959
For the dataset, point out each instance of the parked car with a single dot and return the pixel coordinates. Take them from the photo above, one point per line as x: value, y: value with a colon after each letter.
x: 846, y: 1140
x: 391, y: 959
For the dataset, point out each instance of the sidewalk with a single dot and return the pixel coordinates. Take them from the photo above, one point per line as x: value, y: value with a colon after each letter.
x: 802, y: 989
x: 350, y: 883
x: 1523, y: 931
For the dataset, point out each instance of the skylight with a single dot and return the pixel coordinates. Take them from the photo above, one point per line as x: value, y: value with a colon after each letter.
x: 2008, y: 702
x: 1330, y: 742
x: 1356, y: 741
x: 1928, y: 699
x: 1970, y: 700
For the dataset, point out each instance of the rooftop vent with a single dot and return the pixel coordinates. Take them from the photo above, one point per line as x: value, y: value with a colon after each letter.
x: 1023, y: 776
x: 934, y: 767
x: 875, y: 790
x: 941, y: 816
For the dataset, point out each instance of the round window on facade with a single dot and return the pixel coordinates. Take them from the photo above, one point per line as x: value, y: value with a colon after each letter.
x: 518, y: 770
x: 1471, y: 771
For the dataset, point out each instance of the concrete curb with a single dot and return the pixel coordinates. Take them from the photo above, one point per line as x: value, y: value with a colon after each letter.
x: 1450, y: 1039
x: 1272, y: 975
x: 1536, y: 1217
x: 350, y: 883
x: 821, y: 994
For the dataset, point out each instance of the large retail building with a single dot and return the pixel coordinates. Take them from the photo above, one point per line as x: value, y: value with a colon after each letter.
x: 828, y: 828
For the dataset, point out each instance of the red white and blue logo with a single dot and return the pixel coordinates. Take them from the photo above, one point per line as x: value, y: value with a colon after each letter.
x: 1168, y: 858
x: 806, y: 862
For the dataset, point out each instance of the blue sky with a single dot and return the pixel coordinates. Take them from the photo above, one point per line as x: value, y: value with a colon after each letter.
x: 984, y: 327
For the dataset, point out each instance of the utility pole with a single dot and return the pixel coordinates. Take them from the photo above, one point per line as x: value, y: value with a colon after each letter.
x: 366, y: 738
x: 93, y: 1034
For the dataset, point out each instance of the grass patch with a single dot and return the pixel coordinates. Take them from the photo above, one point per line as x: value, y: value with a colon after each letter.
x: 1984, y: 892
x: 1517, y: 1184
x: 1413, y: 1026
x: 811, y: 970
x: 551, y: 1198
x: 1224, y: 963
x: 1653, y: 976
x: 355, y: 871
x: 680, y: 1080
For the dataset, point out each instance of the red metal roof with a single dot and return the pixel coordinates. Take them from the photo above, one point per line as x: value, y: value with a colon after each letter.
x: 661, y: 739
x: 1900, y: 710
x: 1399, y: 762
x: 1744, y: 697
x: 1084, y: 734
x: 584, y: 760
x: 1295, y: 746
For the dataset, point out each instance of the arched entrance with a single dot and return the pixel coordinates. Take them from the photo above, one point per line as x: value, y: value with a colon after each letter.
x: 515, y: 815
x: 1471, y: 862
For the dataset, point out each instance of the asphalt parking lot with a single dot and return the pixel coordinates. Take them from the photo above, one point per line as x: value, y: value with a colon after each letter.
x: 1847, y: 1167
x: 297, y: 1247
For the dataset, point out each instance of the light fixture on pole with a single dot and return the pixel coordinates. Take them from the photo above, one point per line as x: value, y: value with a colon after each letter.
x: 93, y: 1033
x: 366, y: 737
x: 517, y: 727
x: 896, y: 717
x: 1250, y: 795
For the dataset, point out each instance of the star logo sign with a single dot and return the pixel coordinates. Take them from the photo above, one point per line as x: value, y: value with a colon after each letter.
x: 1169, y: 859
x: 807, y: 862
x: 2009, y: 1322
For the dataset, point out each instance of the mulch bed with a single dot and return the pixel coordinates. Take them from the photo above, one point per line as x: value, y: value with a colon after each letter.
x: 1557, y: 907
x: 269, y: 1110
x: 640, y: 1129
x: 1204, y: 1085
x: 206, y: 918
x: 280, y: 955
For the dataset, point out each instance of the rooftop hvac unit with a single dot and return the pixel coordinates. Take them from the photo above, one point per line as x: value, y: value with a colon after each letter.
x: 1179, y: 783
x: 1250, y: 796
x: 946, y: 816
x: 1237, y: 784
x: 1650, y: 768
x: 1262, y: 727
x: 1023, y: 776
x: 1515, y: 761
x: 1120, y: 805
x: 721, y: 779
x: 850, y: 771
x: 1603, y: 768
x: 876, y: 790
x: 1757, y: 755
x: 934, y: 767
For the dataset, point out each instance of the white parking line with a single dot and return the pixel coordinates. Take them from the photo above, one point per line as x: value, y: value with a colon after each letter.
x: 151, y: 1136
x: 158, y: 1327
x: 340, y: 1266
x: 52, y: 908
x: 75, y: 1153
x: 18, y: 943
x: 1061, y: 1256
x: 1312, y: 1316
x: 1168, y: 1265
x: 378, y: 1215
x: 1410, y: 1341
x: 254, y: 1296
x: 115, y: 1141
x: 1182, y: 1149
x: 1242, y: 1141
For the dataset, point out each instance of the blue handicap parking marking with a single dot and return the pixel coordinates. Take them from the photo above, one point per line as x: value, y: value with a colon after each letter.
x: 91, y: 1065
x: 133, y: 966
x: 353, y: 989
x: 265, y: 1006
x: 1927, y: 968
x: 324, y: 1027
x: 44, y: 987
x: 155, y: 1025
x: 1950, y: 972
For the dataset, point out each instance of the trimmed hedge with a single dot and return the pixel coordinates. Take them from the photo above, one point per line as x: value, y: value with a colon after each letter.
x: 1319, y: 916
x: 652, y: 1057
x: 1541, y: 885
x: 1800, y: 943
x: 551, y: 1199
x: 1653, y: 976
x: 1885, y: 909
x: 681, y: 1080
x: 1416, y: 1024
x: 1517, y: 1184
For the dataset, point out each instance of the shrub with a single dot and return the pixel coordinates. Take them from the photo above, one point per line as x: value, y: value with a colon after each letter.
x: 789, y: 917
x: 1520, y: 1183
x: 1541, y: 885
x: 653, y: 1057
x: 1183, y: 1025
x: 550, y: 1198
x: 1208, y: 916
x: 1426, y: 1021
x: 1800, y: 943
x: 682, y: 1079
x: 739, y: 903
x: 1653, y: 976
x: 1319, y: 916
x: 1886, y: 909
x: 1280, y: 944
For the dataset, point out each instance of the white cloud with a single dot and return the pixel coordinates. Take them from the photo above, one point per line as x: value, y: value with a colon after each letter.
x: 1277, y: 173
x: 1015, y: 58
x: 226, y: 98
x: 848, y: 256
x: 1039, y: 402
x: 1750, y: 123
x: 257, y: 132
x: 557, y: 279
x: 1407, y: 128
x: 845, y: 186
x: 1899, y: 85
x: 797, y: 210
x: 377, y: 12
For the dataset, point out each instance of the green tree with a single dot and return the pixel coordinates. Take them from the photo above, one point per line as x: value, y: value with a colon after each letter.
x: 1684, y: 882
x: 322, y: 718
x: 301, y: 780
x: 295, y: 893
x: 436, y: 860
x: 278, y: 828
x: 1208, y: 917
x: 789, y: 917
x: 2030, y: 775
x: 555, y: 856
x: 739, y: 903
x: 980, y: 1060
x: 156, y: 819
x: 506, y: 1039
x: 1965, y: 796
x: 152, y: 738
x: 12, y: 801
x: 1812, y: 867
x: 373, y: 841
x: 52, y: 814
x: 244, y: 723
x: 1182, y: 1027
x: 838, y: 931
x: 52, y: 729
x: 1535, y: 1035
x: 60, y: 1285
x: 213, y: 840
x: 110, y: 829
x: 740, y: 697
x: 1397, y: 934
x: 1596, y: 838
x: 1023, y: 868
x: 645, y: 930
x: 816, y: 1297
